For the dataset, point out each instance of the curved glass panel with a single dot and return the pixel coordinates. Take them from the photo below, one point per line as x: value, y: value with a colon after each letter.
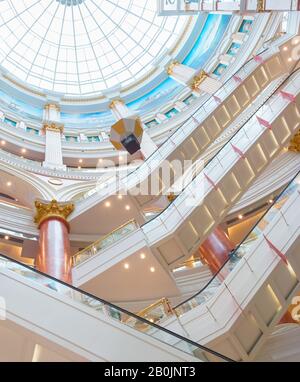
x: 83, y: 47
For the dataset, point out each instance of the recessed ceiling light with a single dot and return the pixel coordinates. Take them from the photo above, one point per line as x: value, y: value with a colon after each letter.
x: 23, y: 151
x: 152, y: 269
x: 241, y: 217
x: 6, y: 237
x: 285, y: 48
x: 290, y: 59
x: 127, y: 207
x: 3, y: 143
x: 142, y: 256
x: 126, y: 266
x: 271, y: 201
x: 8, y: 184
x: 107, y: 204
x: 80, y: 161
x: 120, y: 197
x: 79, y: 167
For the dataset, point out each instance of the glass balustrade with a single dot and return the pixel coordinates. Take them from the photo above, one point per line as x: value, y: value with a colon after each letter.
x: 183, y: 131
x: 112, y: 312
x: 209, y: 290
x: 104, y: 242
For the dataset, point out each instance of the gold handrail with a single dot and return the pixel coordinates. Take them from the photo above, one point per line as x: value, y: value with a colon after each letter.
x: 95, y: 243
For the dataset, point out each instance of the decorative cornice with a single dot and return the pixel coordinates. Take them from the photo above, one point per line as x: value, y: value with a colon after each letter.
x: 171, y: 67
x: 53, y: 209
x: 198, y: 79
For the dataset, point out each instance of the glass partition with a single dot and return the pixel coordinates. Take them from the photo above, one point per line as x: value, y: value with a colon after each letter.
x: 105, y: 242
x: 113, y: 312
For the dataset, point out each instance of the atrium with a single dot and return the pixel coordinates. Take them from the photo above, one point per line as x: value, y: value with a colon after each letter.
x: 150, y: 181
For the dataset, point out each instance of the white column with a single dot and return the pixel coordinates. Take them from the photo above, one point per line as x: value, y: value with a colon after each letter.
x: 181, y: 73
x: 198, y: 81
x: 53, y: 131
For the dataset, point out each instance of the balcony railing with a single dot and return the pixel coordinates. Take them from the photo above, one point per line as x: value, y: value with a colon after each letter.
x: 104, y: 242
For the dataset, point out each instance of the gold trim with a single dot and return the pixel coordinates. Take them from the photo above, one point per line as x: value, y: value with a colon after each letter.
x: 52, y: 209
x: 170, y: 69
x: 113, y: 103
x: 198, y: 79
x: 57, y: 127
x: 164, y: 302
x: 95, y: 243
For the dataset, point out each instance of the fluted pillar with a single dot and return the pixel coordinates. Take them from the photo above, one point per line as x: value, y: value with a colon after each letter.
x: 199, y: 81
x: 215, y: 250
x: 53, y: 129
x: 54, y: 256
x: 120, y: 111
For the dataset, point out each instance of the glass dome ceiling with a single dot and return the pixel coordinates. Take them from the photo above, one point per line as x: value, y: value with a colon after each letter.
x: 82, y: 47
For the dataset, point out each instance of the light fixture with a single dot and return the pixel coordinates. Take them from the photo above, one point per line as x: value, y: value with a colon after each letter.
x: 8, y: 184
x: 3, y: 143
x: 127, y: 208
x: 79, y: 167
x: 290, y: 59
x: 285, y: 48
x: 271, y: 201
x: 241, y: 216
x: 152, y: 269
x: 16, y: 200
x: 120, y: 197
x: 126, y: 266
x: 80, y: 161
x: 23, y: 151
x: 142, y: 256
x: 107, y: 204
x: 6, y: 237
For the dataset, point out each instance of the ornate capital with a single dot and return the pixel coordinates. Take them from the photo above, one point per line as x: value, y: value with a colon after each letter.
x: 59, y: 128
x: 52, y: 209
x: 113, y: 103
x: 198, y: 79
x: 295, y: 143
x: 261, y: 5
x: 171, y: 67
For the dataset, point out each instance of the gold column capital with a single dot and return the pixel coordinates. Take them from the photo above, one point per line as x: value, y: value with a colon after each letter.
x: 53, y: 126
x: 54, y: 106
x: 113, y: 103
x: 261, y: 5
x: 171, y: 67
x: 295, y: 143
x: 53, y: 209
x: 198, y: 79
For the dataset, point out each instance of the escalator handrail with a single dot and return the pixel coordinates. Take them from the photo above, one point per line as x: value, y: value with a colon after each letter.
x: 227, y: 143
x: 239, y: 246
x: 122, y: 310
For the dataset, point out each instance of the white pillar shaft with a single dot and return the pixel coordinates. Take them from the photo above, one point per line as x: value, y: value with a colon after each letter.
x: 147, y: 145
x: 53, y: 153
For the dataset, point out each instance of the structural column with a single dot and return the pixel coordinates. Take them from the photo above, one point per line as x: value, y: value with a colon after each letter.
x: 215, y: 250
x: 53, y: 130
x: 199, y: 81
x: 54, y: 256
x: 125, y: 116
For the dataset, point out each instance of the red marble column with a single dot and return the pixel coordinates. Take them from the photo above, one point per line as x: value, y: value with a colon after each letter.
x: 54, y: 257
x: 215, y: 249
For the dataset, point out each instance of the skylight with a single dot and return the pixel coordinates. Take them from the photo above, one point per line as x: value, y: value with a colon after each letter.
x: 82, y: 47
